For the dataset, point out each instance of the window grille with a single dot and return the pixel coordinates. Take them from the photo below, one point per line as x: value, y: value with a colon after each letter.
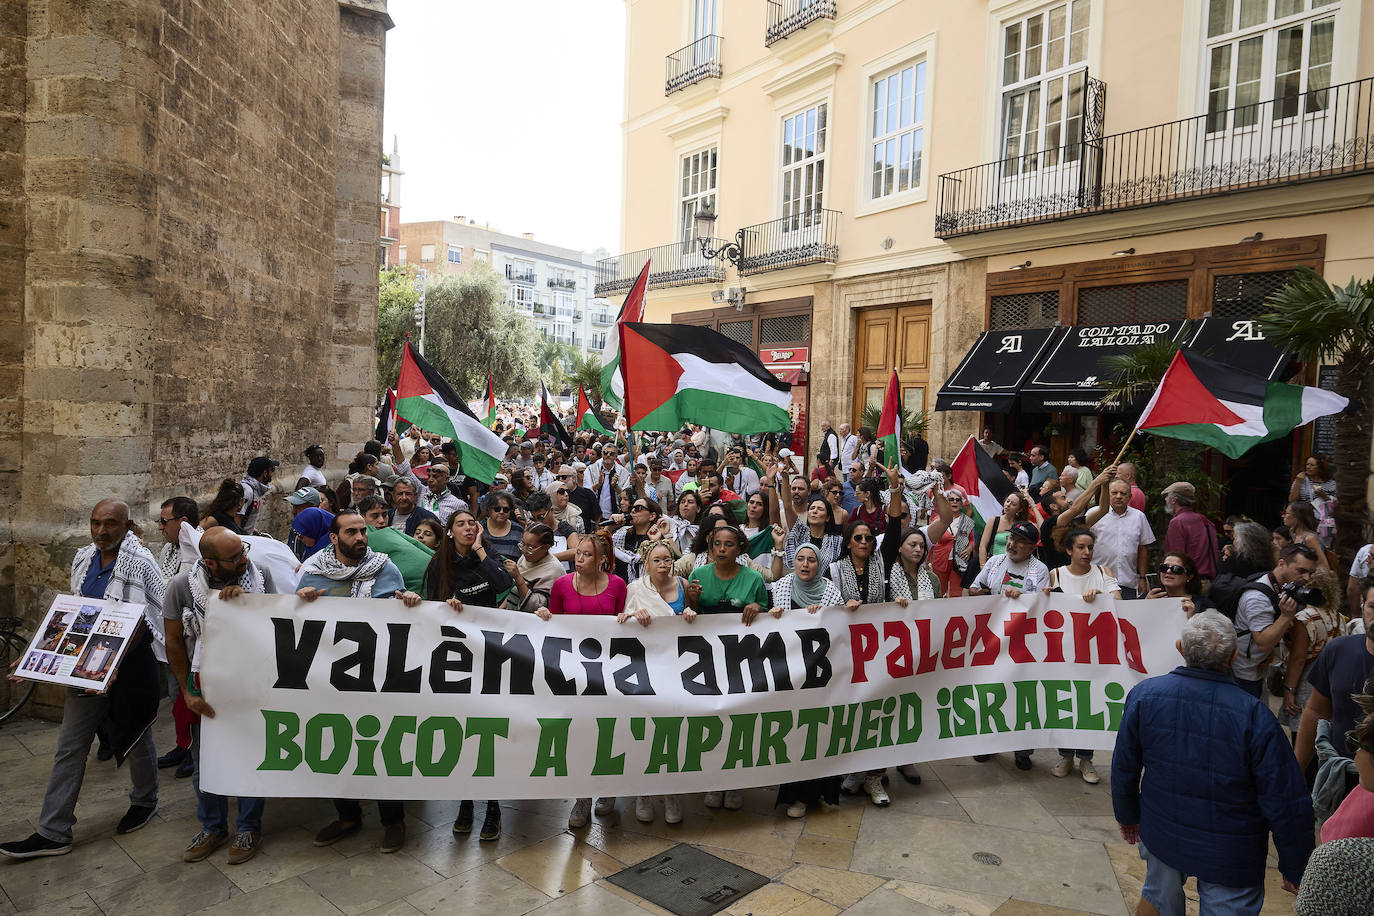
x: 1025, y: 310
x: 738, y: 331
x: 793, y: 329
x: 1166, y: 300
x: 1243, y: 295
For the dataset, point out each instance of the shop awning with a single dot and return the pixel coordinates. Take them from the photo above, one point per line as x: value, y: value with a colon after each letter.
x: 1239, y: 343
x: 995, y: 368
x: 1071, y: 379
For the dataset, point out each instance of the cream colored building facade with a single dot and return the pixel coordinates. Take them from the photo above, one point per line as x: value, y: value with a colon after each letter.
x: 910, y: 173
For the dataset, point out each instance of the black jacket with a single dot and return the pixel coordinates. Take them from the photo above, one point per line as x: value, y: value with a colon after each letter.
x: 416, y: 514
x: 472, y: 581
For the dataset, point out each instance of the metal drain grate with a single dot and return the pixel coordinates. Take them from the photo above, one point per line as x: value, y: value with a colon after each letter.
x: 686, y: 881
x: 987, y: 858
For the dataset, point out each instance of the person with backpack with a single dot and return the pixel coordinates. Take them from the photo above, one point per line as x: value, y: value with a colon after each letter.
x: 1263, y: 613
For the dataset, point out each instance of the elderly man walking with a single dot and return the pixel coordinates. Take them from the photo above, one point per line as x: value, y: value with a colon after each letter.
x: 116, y: 567
x: 1219, y: 777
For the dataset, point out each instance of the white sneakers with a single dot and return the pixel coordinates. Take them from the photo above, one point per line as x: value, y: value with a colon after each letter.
x: 604, y: 805
x: 711, y: 799
x: 581, y: 813
x: 873, y: 785
x: 1085, y: 769
x: 1063, y: 768
x: 797, y: 809
x: 672, y: 809
x: 731, y: 799
x: 644, y: 809
x: 851, y: 783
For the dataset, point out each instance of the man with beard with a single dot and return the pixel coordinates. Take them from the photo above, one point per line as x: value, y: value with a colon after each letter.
x: 176, y: 510
x: 312, y: 475
x: 224, y: 567
x: 405, y: 514
x: 116, y: 567
x: 257, y: 483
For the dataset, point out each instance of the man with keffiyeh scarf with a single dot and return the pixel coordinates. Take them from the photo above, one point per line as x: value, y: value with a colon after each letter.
x: 115, y: 567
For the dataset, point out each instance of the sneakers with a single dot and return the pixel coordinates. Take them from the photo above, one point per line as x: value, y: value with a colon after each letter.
x: 1063, y: 768
x: 393, y: 838
x: 203, y: 844
x: 1089, y: 772
x: 491, y: 824
x: 173, y: 758
x: 672, y: 809
x: 244, y: 847
x: 711, y: 799
x: 983, y: 758
x: 136, y: 818
x: 908, y: 772
x: 36, y: 845
x: 733, y: 800
x: 463, y: 822
x: 333, y: 832
x: 581, y: 813
x: 797, y: 809
x: 644, y: 809
x: 852, y: 784
x: 186, y: 769
x: 1022, y: 760
x: 873, y: 785
x: 604, y: 806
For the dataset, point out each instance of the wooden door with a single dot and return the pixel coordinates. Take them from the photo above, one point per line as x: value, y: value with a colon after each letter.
x: 892, y: 337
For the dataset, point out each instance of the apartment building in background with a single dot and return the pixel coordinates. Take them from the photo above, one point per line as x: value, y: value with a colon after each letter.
x: 895, y: 184
x: 551, y: 284
x: 391, y: 204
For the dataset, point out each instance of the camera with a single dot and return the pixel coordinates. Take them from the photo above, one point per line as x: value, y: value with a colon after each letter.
x: 1303, y: 595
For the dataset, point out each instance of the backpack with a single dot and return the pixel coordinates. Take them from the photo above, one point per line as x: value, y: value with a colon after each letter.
x: 1227, y: 588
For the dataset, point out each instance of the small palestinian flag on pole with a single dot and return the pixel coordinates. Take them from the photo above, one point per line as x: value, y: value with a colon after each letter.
x: 386, y: 417
x: 549, y: 424
x: 489, y: 413
x: 1202, y: 400
x: 679, y: 374
x: 612, y: 376
x: 979, y: 475
x: 430, y: 403
x: 890, y: 423
x: 586, y: 417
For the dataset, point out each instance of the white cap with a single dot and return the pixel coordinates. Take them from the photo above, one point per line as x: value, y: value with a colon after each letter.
x: 784, y: 453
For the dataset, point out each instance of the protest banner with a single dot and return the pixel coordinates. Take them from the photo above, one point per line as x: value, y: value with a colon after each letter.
x: 365, y: 698
x: 80, y: 642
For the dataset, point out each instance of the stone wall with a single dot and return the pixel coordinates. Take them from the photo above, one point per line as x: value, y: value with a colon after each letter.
x: 188, y: 247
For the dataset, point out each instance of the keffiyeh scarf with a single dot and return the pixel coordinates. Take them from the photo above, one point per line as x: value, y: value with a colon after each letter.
x: 136, y: 579
x: 847, y: 578
x: 361, y: 577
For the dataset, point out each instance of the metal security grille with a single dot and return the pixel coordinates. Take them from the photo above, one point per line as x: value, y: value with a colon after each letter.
x: 739, y: 331
x: 1025, y: 310
x: 1243, y: 295
x: 793, y: 329
x: 1166, y: 300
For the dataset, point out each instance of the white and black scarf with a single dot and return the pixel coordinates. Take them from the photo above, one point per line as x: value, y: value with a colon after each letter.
x: 899, y: 585
x: 844, y: 573
x: 361, y: 577
x: 136, y: 579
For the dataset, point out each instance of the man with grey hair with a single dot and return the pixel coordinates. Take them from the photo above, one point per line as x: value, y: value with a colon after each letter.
x: 1219, y: 777
x: 1190, y: 532
x: 1126, y: 471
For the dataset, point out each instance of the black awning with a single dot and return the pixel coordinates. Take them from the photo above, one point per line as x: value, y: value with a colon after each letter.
x: 1071, y: 379
x: 1240, y: 344
x: 995, y: 368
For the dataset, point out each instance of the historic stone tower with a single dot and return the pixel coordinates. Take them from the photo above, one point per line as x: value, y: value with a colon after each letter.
x: 188, y: 254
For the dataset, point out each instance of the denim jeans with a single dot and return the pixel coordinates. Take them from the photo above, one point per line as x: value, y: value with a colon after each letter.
x: 1164, y: 890
x: 81, y: 716
x: 213, y: 810
x: 1070, y: 752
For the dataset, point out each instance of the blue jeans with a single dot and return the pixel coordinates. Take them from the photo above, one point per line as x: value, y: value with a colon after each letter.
x: 1254, y: 688
x: 213, y: 810
x: 1164, y: 890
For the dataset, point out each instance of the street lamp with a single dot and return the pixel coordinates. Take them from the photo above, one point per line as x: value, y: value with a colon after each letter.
x: 704, y: 225
x: 421, y: 285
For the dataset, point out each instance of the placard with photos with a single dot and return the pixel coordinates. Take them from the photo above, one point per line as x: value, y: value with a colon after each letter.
x: 80, y: 642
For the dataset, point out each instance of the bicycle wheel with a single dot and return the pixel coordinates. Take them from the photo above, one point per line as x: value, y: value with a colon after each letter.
x: 13, y: 695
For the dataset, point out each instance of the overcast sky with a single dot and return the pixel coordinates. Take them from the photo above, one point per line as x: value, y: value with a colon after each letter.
x: 509, y: 113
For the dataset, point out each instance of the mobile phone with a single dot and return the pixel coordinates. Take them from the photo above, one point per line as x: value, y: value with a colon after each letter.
x: 1152, y: 581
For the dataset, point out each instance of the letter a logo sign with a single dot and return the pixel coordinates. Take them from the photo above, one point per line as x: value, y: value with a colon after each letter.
x: 1011, y: 344
x: 1245, y: 330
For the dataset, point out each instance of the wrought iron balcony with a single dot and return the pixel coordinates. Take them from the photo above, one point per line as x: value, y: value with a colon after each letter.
x: 516, y: 275
x: 680, y: 264
x: 805, y: 237
x: 788, y: 16
x: 602, y: 318
x: 699, y: 61
x: 521, y: 305
x: 562, y: 283
x: 1316, y: 135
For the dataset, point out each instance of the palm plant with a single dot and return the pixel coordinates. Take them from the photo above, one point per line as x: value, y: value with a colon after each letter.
x: 912, y: 424
x: 1320, y: 322
x: 585, y: 370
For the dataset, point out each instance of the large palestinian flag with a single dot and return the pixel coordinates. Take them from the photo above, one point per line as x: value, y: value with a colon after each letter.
x: 430, y: 403
x: 982, y: 479
x: 890, y: 423
x: 679, y: 374
x: 1202, y: 400
x: 386, y: 417
x: 612, y: 378
x: 586, y: 418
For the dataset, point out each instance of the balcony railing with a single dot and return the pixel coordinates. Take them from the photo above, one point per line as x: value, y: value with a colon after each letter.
x: 680, y: 264
x: 1320, y: 134
x: 788, y: 16
x: 562, y: 283
x: 809, y: 237
x: 516, y: 275
x: 699, y: 61
x: 602, y: 318
x: 518, y: 304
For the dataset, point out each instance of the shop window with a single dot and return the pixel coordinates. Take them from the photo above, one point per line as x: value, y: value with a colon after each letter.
x: 1133, y: 304
x: 1243, y: 295
x: 739, y: 331
x: 784, y: 329
x: 1025, y: 310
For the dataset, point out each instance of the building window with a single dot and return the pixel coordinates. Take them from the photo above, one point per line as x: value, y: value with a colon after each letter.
x: 898, y: 132
x: 426, y: 253
x: 1133, y: 303
x: 1025, y: 310
x: 803, y: 167
x: 698, y: 189
x: 401, y: 256
x: 1043, y: 78
x: 481, y: 257
x: 1282, y: 47
x: 455, y: 254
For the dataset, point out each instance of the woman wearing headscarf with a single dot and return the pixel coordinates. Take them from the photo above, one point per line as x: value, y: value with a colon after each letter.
x: 312, y: 531
x: 567, y: 512
x: 537, y: 569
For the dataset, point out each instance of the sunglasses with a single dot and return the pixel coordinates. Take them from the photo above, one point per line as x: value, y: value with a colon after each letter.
x: 639, y: 508
x: 862, y: 538
x: 163, y: 521
x: 561, y: 492
x: 1353, y: 743
x: 505, y: 509
x: 1173, y: 568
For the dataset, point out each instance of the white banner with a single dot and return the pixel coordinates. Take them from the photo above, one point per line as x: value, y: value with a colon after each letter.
x: 366, y: 698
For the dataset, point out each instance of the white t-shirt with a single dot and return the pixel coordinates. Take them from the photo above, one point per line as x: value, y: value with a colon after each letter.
x: 1097, y: 577
x: 1119, y: 539
x: 313, y: 475
x: 1359, y: 569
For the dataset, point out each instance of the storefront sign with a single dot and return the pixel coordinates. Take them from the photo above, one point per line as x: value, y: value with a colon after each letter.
x: 785, y: 354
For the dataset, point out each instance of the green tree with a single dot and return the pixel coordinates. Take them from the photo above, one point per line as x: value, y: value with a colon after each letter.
x: 396, y: 298
x: 469, y: 331
x: 585, y: 370
x: 1321, y: 323
x: 555, y: 360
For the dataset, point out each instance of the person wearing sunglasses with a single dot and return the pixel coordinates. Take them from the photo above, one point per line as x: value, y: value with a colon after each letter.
x: 502, y: 529
x: 1178, y: 578
x: 645, y: 519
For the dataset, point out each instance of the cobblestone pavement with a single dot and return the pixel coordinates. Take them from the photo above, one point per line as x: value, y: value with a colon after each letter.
x: 1058, y: 845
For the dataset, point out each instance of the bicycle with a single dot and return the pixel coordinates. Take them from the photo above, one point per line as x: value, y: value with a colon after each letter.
x: 13, y: 645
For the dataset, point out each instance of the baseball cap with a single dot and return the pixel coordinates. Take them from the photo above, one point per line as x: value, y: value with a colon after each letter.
x: 305, y: 496
x: 1025, y: 531
x: 1182, y: 488
x: 260, y: 464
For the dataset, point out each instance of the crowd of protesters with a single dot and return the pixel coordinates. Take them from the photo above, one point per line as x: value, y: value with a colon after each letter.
x: 699, y: 522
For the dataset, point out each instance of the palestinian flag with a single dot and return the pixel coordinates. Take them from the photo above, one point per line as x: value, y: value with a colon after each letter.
x: 890, y: 423
x: 488, y: 415
x: 761, y: 543
x: 549, y: 424
x: 386, y: 417
x: 982, y: 479
x: 1202, y: 400
x: 430, y: 403
x: 612, y: 377
x: 687, y: 374
x: 586, y: 417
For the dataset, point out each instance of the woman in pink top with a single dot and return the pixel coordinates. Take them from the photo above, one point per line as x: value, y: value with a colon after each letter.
x: 1355, y: 816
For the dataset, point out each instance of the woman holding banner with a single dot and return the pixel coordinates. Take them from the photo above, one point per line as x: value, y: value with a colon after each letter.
x: 699, y: 554
x: 644, y: 516
x: 685, y: 522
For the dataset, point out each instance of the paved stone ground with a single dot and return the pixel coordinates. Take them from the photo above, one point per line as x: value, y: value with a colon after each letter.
x: 1058, y: 843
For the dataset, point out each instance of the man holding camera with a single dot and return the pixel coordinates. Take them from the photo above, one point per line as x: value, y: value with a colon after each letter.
x: 1266, y: 610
